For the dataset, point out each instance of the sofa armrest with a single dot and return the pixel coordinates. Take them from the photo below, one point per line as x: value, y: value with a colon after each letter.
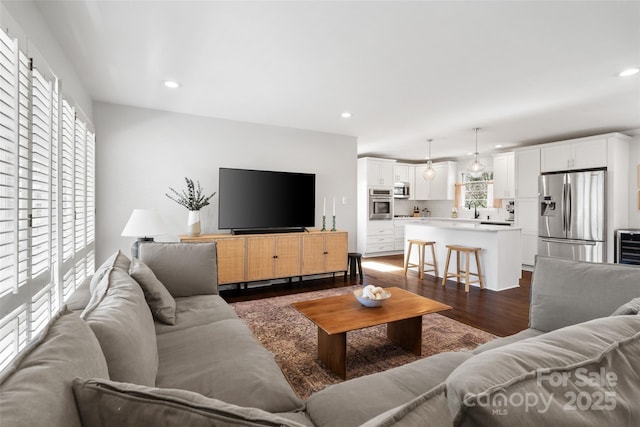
x: 566, y: 292
x: 185, y: 269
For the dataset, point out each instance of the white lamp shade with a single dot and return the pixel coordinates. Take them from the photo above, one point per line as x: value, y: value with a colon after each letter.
x: 144, y: 223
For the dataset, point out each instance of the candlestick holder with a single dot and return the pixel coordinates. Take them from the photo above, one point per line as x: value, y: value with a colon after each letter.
x: 334, y: 224
x: 324, y: 218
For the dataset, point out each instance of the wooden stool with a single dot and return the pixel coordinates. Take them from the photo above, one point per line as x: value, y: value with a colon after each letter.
x: 458, y: 274
x: 421, y: 263
x: 354, y: 264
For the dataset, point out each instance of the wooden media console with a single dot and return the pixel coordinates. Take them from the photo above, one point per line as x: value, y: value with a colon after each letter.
x: 255, y: 257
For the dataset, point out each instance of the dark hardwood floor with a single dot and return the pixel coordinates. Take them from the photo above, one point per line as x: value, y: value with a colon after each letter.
x: 500, y: 313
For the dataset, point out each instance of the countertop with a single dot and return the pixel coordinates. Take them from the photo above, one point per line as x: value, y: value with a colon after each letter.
x: 458, y: 224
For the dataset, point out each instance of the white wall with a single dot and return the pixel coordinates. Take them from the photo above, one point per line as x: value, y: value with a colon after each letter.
x: 141, y: 153
x: 634, y: 191
x: 24, y: 21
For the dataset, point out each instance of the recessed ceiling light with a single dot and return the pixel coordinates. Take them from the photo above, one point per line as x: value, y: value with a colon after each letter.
x: 171, y: 84
x: 498, y: 145
x: 345, y: 115
x: 629, y: 72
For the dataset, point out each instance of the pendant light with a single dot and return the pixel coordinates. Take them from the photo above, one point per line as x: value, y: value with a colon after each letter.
x: 429, y: 173
x: 475, y: 168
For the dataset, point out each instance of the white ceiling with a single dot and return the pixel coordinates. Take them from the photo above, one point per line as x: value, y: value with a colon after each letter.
x: 523, y: 71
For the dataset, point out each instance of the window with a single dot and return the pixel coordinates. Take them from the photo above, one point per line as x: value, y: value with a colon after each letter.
x: 47, y: 194
x: 475, y: 193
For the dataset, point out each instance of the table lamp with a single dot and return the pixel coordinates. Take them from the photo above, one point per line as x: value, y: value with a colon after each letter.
x: 143, y: 224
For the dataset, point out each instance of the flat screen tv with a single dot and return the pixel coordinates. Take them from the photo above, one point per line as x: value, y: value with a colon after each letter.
x: 265, y: 201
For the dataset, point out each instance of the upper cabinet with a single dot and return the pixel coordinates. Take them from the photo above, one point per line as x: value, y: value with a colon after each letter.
x: 420, y: 187
x: 401, y: 172
x: 527, y: 170
x: 379, y: 172
x: 442, y: 187
x: 504, y: 176
x: 579, y: 154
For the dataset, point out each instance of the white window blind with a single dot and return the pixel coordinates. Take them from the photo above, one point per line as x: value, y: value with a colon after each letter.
x: 79, y: 185
x: 24, y: 118
x: 66, y: 182
x: 47, y: 199
x: 90, y: 179
x: 8, y: 161
x: 41, y: 177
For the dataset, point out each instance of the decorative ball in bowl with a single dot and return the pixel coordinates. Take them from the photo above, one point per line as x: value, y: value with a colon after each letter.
x: 371, y: 296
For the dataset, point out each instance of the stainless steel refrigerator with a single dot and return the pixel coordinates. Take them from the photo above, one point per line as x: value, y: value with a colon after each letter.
x: 572, y: 215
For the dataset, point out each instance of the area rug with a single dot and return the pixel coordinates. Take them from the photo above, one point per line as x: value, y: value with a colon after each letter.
x: 292, y: 338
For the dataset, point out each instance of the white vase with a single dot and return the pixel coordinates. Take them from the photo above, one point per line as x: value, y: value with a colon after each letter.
x: 194, y: 223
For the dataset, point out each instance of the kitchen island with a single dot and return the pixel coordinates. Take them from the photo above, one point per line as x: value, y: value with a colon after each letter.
x: 500, y: 257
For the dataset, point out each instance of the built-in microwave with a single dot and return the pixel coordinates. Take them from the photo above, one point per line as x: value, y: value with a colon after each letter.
x: 380, y: 203
x: 401, y: 190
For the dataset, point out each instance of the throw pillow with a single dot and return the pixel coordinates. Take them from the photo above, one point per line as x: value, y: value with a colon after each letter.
x: 109, y: 403
x: 123, y: 324
x: 35, y: 390
x: 185, y: 269
x: 161, y: 303
x: 632, y: 307
x: 431, y: 406
x: 585, y: 374
x: 117, y: 260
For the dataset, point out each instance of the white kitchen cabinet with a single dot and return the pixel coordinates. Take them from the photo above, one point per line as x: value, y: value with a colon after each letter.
x: 379, y: 172
x: 526, y: 217
x: 583, y: 154
x: 503, y: 176
x: 527, y: 171
x: 375, y: 237
x: 398, y: 234
x: 380, y: 236
x: 412, y: 182
x: 421, y: 187
x: 529, y: 249
x: 401, y: 172
x: 442, y: 187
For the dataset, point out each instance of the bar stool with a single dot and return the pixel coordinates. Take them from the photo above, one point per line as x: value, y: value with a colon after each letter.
x: 458, y: 274
x: 422, y: 244
x: 354, y: 264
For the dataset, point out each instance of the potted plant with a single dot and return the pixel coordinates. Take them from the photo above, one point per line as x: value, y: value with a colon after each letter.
x: 193, y: 199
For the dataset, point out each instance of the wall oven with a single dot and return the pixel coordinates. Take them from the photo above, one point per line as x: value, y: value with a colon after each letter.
x: 380, y: 203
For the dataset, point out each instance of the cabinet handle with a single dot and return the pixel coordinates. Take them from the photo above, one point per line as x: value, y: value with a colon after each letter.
x: 275, y: 256
x: 325, y: 253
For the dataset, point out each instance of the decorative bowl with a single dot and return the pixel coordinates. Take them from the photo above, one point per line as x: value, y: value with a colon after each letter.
x: 368, y: 302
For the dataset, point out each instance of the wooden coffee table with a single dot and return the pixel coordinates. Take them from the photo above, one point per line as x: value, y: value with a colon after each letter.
x: 335, y: 316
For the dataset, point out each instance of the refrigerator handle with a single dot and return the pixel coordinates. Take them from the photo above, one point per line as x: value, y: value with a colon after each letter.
x: 564, y: 207
x: 568, y: 241
x: 569, y: 213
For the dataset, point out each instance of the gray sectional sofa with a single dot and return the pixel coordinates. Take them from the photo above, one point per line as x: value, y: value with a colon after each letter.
x: 150, y: 342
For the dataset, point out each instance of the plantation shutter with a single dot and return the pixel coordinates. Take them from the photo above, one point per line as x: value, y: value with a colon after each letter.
x: 41, y: 181
x: 47, y: 199
x: 45, y: 301
x: 66, y: 187
x: 90, y: 198
x: 8, y: 161
x: 68, y: 138
x: 24, y: 118
x: 80, y: 199
x: 15, y: 126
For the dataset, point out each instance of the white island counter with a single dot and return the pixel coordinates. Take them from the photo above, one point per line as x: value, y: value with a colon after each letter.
x: 500, y: 258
